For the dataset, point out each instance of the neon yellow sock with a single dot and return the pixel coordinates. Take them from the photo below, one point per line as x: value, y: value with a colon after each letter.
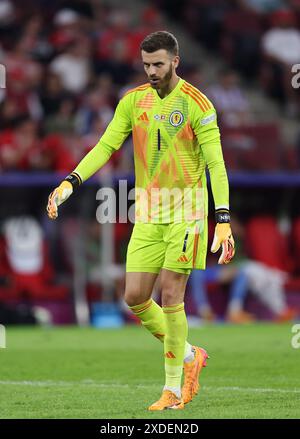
x: 174, y: 343
x: 152, y: 317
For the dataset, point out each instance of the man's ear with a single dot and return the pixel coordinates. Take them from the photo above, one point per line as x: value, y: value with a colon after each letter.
x: 176, y: 61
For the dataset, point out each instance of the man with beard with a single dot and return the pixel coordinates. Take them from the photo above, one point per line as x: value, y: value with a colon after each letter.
x: 175, y: 135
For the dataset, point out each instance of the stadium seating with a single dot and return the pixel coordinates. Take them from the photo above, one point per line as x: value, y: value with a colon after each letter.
x: 268, y: 245
x: 252, y: 147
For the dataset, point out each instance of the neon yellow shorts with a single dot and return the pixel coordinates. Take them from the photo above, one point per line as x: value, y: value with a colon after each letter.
x: 177, y: 247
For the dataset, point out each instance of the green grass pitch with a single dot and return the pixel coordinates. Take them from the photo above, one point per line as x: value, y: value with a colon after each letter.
x: 71, y: 372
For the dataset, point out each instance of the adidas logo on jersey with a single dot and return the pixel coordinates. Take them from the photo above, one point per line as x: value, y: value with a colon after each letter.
x: 143, y: 117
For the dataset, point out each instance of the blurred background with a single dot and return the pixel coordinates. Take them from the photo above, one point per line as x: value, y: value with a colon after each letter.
x: 67, y: 65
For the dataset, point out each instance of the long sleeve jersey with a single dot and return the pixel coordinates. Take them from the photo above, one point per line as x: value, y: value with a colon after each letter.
x: 174, y: 139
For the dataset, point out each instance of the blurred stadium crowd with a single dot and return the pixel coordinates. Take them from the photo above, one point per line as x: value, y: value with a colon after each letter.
x: 258, y: 38
x: 68, y: 63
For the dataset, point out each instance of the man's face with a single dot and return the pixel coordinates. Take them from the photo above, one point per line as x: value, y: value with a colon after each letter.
x: 159, y: 67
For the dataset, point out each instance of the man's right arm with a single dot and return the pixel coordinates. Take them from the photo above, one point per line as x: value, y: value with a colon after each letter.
x: 113, y: 138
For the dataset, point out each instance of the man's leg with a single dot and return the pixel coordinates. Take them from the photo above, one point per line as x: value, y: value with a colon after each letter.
x: 147, y: 310
x: 138, y: 292
x: 138, y: 297
x: 145, y: 256
x: 173, y: 288
x: 147, y: 249
x: 165, y: 324
x: 175, y: 345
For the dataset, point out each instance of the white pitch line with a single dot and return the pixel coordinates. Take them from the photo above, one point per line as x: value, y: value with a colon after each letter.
x: 126, y: 386
x: 61, y: 383
x: 251, y: 389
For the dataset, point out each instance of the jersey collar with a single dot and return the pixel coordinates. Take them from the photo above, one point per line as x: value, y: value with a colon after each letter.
x: 173, y: 92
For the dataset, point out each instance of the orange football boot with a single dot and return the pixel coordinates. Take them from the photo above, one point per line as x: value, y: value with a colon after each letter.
x: 191, y: 374
x: 168, y: 400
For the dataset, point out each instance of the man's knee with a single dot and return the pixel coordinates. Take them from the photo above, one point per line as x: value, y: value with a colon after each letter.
x: 169, y: 297
x: 172, y: 296
x: 133, y: 297
x: 138, y: 287
x: 173, y: 289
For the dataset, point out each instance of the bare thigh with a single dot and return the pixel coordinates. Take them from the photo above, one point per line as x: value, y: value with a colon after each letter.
x: 173, y: 287
x: 139, y: 287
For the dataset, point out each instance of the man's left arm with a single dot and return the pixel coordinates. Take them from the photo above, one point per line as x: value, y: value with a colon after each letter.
x: 208, y: 136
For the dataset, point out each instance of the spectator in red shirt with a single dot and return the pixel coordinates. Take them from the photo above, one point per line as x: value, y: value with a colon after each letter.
x: 18, y: 146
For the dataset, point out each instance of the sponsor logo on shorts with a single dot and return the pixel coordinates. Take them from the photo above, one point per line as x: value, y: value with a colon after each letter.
x: 182, y: 258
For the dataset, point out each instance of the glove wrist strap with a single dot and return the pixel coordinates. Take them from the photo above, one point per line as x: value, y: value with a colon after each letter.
x: 74, y: 179
x: 222, y: 215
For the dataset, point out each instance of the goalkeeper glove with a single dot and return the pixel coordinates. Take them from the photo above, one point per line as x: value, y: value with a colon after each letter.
x: 62, y: 193
x: 223, y: 236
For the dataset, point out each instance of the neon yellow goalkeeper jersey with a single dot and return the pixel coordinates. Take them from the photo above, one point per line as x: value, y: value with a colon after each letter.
x: 174, y: 138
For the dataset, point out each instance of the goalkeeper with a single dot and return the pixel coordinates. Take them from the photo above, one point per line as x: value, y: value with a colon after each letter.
x: 175, y: 136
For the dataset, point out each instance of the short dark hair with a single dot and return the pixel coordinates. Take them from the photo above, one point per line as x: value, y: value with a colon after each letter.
x: 160, y: 40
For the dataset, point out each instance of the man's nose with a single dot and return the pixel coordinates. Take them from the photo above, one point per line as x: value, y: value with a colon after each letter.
x: 152, y: 71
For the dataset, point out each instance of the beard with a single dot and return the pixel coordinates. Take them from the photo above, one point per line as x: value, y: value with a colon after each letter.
x: 164, y: 81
